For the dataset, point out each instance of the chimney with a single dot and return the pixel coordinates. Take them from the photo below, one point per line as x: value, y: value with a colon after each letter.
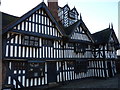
x: 53, y: 7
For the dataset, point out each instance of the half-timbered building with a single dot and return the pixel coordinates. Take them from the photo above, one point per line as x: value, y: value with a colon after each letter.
x: 52, y: 44
x: 105, y: 47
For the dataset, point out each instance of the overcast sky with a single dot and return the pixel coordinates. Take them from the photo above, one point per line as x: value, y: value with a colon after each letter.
x: 97, y: 14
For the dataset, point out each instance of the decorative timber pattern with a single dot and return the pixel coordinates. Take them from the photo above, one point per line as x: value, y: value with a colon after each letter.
x: 38, y: 50
x: 39, y: 73
x: 27, y: 38
x: 67, y: 16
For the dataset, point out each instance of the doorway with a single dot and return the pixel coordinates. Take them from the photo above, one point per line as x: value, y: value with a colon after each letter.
x: 52, y: 72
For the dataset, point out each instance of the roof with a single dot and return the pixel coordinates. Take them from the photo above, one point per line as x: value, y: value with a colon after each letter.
x: 67, y: 6
x: 103, y: 36
x: 72, y: 27
x: 25, y: 16
x: 69, y: 30
x: 7, y: 19
x: 75, y: 10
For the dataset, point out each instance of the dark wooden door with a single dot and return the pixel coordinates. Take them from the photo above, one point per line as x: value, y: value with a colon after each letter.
x: 52, y: 72
x: 110, y: 69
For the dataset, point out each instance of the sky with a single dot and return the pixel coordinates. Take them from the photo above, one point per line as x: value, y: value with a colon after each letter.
x: 96, y: 14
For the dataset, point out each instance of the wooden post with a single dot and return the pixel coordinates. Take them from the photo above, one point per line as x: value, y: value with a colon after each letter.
x: 105, y: 72
x: 0, y: 50
x: 63, y: 61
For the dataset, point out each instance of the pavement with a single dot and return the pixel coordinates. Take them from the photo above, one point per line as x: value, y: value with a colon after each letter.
x: 92, y: 84
x: 85, y: 84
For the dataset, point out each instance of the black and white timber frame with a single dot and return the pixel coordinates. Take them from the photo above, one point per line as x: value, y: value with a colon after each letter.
x: 35, y: 45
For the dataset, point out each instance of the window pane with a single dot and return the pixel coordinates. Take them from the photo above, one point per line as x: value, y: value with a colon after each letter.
x: 31, y: 42
x: 26, y: 37
x: 31, y: 38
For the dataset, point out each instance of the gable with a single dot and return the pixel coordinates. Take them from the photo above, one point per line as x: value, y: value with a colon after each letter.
x: 75, y: 11
x: 80, y: 34
x: 102, y: 37
x: 79, y: 31
x: 37, y: 20
x: 113, y: 38
x: 66, y: 8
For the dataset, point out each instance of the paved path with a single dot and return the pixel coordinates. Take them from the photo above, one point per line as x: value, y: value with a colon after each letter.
x: 92, y: 83
x: 88, y: 83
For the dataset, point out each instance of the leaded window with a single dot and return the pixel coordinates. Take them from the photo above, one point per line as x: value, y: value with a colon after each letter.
x: 71, y: 44
x: 30, y: 40
x: 80, y: 48
x: 47, y: 42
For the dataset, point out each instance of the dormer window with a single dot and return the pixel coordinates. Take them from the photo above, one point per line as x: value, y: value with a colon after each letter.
x: 67, y: 17
x: 71, y: 15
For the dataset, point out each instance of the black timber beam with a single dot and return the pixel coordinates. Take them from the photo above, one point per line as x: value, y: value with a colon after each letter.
x: 36, y: 34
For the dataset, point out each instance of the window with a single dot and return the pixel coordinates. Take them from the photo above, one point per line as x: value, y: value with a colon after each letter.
x: 71, y: 15
x: 30, y: 40
x: 35, y: 69
x: 71, y: 45
x: 47, y: 42
x: 25, y: 40
x: 80, y: 48
x: 70, y: 63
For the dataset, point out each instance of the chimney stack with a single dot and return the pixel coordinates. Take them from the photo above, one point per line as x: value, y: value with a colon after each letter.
x: 53, y: 7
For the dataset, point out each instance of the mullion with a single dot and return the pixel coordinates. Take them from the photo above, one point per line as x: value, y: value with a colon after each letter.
x: 50, y: 52
x: 31, y: 47
x: 42, y: 49
x: 57, y: 33
x: 24, y: 26
x: 52, y: 31
x: 14, y: 47
x: 27, y: 29
x: 49, y: 27
x: 102, y: 69
x: 32, y: 52
x: 38, y: 47
x: 41, y: 24
x: 44, y: 24
x: 35, y: 23
x: 25, y: 50
x: 58, y: 49
x: 21, y: 42
x: 45, y: 51
x: 18, y: 46
x: 53, y: 50
x: 38, y: 21
x: 9, y: 46
x: 31, y: 23
x: 21, y: 45
x: 99, y: 68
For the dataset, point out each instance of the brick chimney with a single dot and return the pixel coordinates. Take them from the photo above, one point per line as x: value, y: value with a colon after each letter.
x: 53, y: 7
